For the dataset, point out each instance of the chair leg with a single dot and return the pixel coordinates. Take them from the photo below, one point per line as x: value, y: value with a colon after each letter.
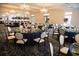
x: 51, y: 48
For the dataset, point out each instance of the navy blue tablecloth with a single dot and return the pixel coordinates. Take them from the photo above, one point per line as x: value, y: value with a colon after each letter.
x: 70, y: 35
x: 31, y: 36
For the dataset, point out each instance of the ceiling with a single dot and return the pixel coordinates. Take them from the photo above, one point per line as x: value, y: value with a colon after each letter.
x: 34, y: 7
x: 72, y: 5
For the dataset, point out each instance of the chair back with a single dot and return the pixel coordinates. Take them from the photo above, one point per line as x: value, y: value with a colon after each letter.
x: 61, y: 31
x: 9, y: 29
x: 50, y: 31
x: 18, y: 36
x: 77, y: 38
x: 44, y: 34
x: 61, y: 40
x: 56, y: 31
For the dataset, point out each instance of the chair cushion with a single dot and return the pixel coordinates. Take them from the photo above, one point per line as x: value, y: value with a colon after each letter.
x: 11, y: 37
x: 20, y: 42
x: 37, y: 39
x: 11, y: 33
x: 25, y: 40
x: 41, y: 40
x: 56, y: 33
x: 64, y: 50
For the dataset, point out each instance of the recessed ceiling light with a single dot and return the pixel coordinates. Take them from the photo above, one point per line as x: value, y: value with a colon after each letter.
x: 25, y: 6
x: 27, y: 12
x: 47, y: 14
x: 44, y: 10
x: 12, y: 11
x: 32, y: 15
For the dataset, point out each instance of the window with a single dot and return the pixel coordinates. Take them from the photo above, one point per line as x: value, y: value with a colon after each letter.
x: 67, y: 18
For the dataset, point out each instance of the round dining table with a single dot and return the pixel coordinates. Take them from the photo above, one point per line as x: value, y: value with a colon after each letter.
x: 31, y: 35
x: 71, y: 36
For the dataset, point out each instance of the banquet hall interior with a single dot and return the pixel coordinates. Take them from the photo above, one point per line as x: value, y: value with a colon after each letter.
x: 39, y: 29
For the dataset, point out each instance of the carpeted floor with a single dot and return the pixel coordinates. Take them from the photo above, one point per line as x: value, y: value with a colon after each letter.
x: 32, y: 49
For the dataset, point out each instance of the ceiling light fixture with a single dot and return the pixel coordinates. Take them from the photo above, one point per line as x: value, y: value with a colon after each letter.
x: 12, y: 11
x: 44, y: 10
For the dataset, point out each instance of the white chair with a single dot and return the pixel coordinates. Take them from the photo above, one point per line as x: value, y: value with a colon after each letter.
x: 20, y: 42
x: 10, y: 35
x: 37, y: 39
x: 44, y: 34
x: 50, y: 32
x: 19, y: 38
x: 61, y: 40
x: 56, y: 31
x: 41, y: 39
x: 64, y: 50
x: 25, y: 40
x: 77, y: 38
x: 9, y: 29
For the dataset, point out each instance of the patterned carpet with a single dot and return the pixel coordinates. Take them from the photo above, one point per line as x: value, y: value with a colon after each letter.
x: 32, y: 49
